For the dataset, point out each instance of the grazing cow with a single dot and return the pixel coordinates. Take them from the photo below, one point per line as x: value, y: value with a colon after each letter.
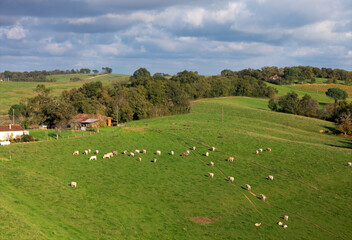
x: 154, y: 160
x: 263, y: 197
x: 96, y: 151
x: 188, y: 151
x: 260, y: 149
x: 213, y: 149
x: 231, y: 179
x: 158, y: 153
x: 211, y: 164
x: 194, y: 148
x: 230, y: 159
x: 257, y: 224
x: 280, y: 223
x: 349, y: 164
x: 185, y: 154
x: 286, y: 218
x: 270, y: 177
x: 106, y: 156
x: 73, y: 184
x: 132, y: 154
x: 211, y: 175
x: 85, y: 152
x: 125, y: 152
x: 207, y: 154
x: 137, y: 151
x: 268, y: 150
x: 89, y: 151
x: 93, y: 158
x: 284, y: 226
x: 114, y: 153
x: 139, y: 159
x: 248, y: 187
x: 144, y: 151
x: 172, y: 153
x: 75, y: 153
x: 257, y: 152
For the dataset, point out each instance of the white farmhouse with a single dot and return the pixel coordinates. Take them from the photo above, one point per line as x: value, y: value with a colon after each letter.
x: 8, y: 132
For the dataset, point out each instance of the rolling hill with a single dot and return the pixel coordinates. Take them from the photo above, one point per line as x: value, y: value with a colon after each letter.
x: 122, y: 198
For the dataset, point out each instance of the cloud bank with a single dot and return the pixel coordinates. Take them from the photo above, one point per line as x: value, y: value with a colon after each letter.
x: 170, y: 36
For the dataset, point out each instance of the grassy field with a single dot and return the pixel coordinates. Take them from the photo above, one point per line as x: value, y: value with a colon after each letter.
x: 121, y: 198
x: 12, y: 92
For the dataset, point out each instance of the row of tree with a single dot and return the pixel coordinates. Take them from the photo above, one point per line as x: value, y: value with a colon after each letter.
x: 288, y: 75
x: 339, y: 112
x: 143, y: 96
x: 41, y: 76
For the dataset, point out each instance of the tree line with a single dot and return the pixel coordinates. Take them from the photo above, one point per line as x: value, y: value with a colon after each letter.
x: 142, y: 96
x: 339, y: 112
x: 288, y: 75
x: 41, y: 76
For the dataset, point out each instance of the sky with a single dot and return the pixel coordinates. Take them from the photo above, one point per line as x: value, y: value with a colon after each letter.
x: 172, y: 36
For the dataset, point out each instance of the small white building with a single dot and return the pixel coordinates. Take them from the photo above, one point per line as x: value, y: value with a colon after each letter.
x: 10, y: 131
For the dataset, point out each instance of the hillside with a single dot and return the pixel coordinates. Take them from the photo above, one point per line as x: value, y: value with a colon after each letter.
x: 12, y: 92
x: 121, y: 198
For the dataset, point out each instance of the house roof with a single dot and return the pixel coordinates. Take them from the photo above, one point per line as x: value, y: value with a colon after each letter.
x: 89, y: 120
x: 14, y: 128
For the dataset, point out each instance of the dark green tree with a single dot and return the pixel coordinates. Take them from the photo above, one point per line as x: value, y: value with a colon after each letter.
x: 336, y: 94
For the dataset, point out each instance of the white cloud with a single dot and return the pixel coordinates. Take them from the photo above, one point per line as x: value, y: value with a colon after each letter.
x: 16, y: 32
x: 58, y: 48
x: 195, y: 17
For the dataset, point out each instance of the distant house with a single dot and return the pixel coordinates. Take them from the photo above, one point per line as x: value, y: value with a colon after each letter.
x: 82, y: 121
x: 11, y: 131
x: 274, y: 77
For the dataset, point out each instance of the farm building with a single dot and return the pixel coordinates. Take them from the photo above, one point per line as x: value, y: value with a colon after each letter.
x: 89, y: 120
x: 11, y: 131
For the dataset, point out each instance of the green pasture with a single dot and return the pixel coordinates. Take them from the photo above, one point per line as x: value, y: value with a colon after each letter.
x: 122, y: 198
x: 12, y: 92
x: 50, y: 134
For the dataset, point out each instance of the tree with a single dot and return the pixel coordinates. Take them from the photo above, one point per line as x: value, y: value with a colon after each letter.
x: 289, y: 103
x: 308, y: 106
x: 345, y: 124
x: 107, y: 70
x: 18, y: 111
x: 95, y: 71
x: 336, y: 94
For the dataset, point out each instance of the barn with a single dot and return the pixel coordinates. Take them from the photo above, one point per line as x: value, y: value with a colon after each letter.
x: 89, y: 120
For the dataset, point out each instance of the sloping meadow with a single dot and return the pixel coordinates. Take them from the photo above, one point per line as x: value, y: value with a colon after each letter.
x: 123, y: 198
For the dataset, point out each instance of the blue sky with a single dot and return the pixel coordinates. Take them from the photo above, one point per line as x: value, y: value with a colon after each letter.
x: 171, y: 36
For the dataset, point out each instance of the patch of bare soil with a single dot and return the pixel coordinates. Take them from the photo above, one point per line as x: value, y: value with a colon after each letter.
x: 204, y: 220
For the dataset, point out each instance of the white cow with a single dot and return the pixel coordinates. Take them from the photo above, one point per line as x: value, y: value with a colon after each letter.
x: 207, y: 154
x: 96, y: 151
x: 73, y: 184
x: 211, y: 175
x: 231, y: 179
x: 172, y: 153
x: 213, y: 149
x: 158, y: 152
x: 270, y: 177
x: 93, y: 158
x: 248, y: 187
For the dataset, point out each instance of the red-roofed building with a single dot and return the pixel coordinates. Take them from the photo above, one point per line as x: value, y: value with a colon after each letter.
x: 10, y: 131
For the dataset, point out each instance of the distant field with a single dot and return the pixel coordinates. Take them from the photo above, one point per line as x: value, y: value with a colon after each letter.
x: 122, y: 198
x: 12, y: 92
x: 320, y: 96
x: 322, y: 88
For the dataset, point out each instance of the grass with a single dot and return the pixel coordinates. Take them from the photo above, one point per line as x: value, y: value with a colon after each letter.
x: 12, y: 92
x: 121, y: 198
x: 50, y: 134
